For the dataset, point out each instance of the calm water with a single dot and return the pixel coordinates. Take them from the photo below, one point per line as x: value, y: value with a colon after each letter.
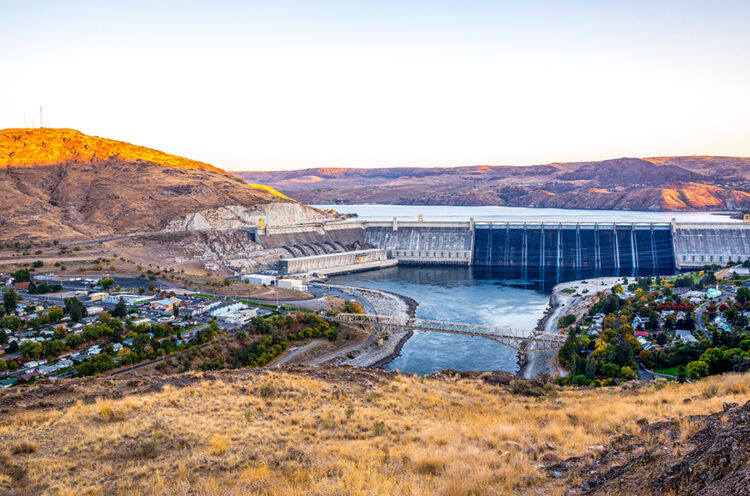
x: 457, y: 294
x: 503, y: 214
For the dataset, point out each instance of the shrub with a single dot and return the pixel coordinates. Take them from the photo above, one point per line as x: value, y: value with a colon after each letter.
x: 24, y: 447
x: 109, y: 414
x: 378, y: 428
x: 267, y: 390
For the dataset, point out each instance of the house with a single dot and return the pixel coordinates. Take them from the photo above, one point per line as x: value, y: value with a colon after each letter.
x: 686, y: 336
x: 227, y: 308
x: 712, y: 293
x: 22, y: 286
x: 94, y: 310
x: 98, y: 296
x: 165, y: 305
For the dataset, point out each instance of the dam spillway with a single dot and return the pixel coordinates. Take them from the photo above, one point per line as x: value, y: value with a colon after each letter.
x: 588, y: 246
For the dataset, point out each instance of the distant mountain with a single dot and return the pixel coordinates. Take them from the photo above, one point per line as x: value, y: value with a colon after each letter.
x: 662, y: 183
x: 60, y: 183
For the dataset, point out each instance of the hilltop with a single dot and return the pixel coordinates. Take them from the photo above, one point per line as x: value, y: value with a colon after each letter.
x: 356, y: 431
x: 63, y: 184
x: 662, y: 183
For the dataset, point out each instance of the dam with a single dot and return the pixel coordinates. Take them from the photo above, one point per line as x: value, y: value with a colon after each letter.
x: 655, y: 247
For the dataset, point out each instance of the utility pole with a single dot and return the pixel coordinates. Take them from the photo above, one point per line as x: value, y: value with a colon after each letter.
x: 41, y: 122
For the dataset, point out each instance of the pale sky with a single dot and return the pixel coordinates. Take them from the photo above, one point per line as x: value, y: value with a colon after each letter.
x: 290, y: 84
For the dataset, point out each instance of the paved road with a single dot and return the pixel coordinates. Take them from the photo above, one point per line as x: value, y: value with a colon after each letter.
x: 296, y: 351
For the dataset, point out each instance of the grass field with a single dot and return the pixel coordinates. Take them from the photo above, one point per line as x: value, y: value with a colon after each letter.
x: 668, y: 371
x: 335, y: 431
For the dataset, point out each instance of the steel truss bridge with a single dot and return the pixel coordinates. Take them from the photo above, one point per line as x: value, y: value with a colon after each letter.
x: 524, y: 341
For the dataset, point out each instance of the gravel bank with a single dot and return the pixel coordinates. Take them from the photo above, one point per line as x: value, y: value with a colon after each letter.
x: 376, y: 352
x: 563, y: 302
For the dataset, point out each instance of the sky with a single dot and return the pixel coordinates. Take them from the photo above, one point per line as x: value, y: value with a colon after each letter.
x: 291, y: 84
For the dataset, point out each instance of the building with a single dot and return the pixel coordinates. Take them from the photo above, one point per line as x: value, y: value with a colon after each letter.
x: 292, y: 284
x: 94, y: 310
x: 132, y: 300
x: 230, y: 306
x: 98, y: 296
x: 165, y: 305
x: 259, y: 279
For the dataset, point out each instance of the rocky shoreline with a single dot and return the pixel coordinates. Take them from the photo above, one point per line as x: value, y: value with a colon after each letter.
x: 376, y: 353
x: 562, y: 302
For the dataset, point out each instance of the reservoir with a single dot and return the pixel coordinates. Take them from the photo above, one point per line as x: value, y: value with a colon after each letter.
x: 481, y: 295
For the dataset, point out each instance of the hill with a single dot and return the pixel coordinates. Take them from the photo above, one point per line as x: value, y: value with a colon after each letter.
x: 663, y: 183
x: 356, y: 431
x: 62, y: 184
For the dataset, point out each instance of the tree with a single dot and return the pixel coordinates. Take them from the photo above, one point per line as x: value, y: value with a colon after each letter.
x: 56, y: 314
x: 176, y: 310
x: 627, y: 373
x: 75, y: 309
x: 106, y: 282
x: 30, y: 349
x: 743, y: 294
x: 697, y: 369
x: 22, y: 275
x: 121, y: 309
x: 590, y: 367
x: 11, y: 322
x: 10, y: 300
x: 617, y: 289
x: 681, y: 374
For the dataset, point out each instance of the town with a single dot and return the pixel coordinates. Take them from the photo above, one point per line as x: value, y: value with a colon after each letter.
x: 55, y: 327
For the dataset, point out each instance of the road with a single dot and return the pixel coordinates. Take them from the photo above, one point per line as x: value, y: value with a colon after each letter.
x: 294, y: 352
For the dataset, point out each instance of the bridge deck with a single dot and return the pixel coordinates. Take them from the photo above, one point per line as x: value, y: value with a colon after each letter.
x: 520, y: 339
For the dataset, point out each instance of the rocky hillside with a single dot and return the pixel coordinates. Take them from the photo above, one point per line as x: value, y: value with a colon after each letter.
x: 664, y: 183
x: 62, y: 184
x: 347, y: 431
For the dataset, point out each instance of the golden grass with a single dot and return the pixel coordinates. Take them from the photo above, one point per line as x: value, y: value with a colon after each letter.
x: 404, y: 435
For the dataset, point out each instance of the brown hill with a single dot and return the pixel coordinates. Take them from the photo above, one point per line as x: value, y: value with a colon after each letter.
x: 662, y: 183
x: 60, y: 184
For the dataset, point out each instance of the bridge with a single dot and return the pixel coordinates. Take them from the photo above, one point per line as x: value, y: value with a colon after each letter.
x: 522, y: 340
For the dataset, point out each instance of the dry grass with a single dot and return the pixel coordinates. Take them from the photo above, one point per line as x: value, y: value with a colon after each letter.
x: 23, y: 447
x: 403, y: 435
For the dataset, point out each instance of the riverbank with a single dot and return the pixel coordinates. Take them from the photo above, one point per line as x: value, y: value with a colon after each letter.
x: 574, y: 297
x: 376, y: 352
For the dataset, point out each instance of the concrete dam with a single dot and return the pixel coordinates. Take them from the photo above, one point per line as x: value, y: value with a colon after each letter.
x: 625, y: 247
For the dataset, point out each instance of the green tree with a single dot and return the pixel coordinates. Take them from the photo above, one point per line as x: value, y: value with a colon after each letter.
x: 617, y: 289
x: 56, y: 314
x: 681, y: 374
x: 30, y: 349
x: 11, y: 322
x: 10, y: 300
x: 22, y: 275
x: 590, y: 367
x: 106, y: 282
x: 75, y: 309
x: 743, y: 294
x: 121, y: 309
x: 697, y: 369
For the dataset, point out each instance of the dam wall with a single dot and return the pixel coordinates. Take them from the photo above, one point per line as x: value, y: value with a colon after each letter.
x: 422, y: 242
x: 697, y: 245
x: 655, y: 247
